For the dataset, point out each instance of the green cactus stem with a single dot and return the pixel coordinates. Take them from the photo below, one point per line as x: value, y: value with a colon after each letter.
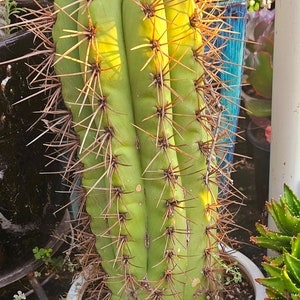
x: 140, y: 79
x: 141, y: 116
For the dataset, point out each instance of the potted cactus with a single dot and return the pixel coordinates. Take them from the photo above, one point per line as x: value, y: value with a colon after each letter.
x: 283, y: 281
x: 141, y: 138
x: 147, y: 176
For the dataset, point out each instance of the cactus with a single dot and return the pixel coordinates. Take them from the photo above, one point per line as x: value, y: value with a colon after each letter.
x: 283, y: 281
x: 140, y: 79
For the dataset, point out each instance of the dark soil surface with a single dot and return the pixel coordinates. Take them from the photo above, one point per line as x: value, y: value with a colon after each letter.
x: 252, y: 180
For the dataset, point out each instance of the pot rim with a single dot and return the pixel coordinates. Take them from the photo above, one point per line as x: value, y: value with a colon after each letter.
x: 16, y: 46
x: 253, y: 140
x: 250, y: 269
x: 30, y: 265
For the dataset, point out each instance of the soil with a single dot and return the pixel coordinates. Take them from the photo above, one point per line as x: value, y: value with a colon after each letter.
x: 240, y: 291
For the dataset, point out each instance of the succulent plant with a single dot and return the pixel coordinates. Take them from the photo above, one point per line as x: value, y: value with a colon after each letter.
x: 259, y: 52
x: 258, y: 72
x: 283, y: 281
x: 259, y: 62
x: 140, y: 79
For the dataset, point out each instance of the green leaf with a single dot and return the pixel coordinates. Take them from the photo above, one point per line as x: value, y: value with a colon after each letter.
x: 278, y: 244
x: 273, y: 271
x: 285, y: 221
x: 296, y: 246
x: 261, y: 79
x: 292, y: 268
x: 274, y: 284
x: 271, y: 239
x: 265, y: 43
x: 289, y: 284
x: 258, y: 107
x: 292, y: 201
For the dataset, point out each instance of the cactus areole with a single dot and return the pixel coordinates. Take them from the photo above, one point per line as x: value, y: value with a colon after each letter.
x: 146, y: 110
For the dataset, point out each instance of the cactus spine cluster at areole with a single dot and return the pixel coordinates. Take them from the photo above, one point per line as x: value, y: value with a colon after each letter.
x: 140, y: 79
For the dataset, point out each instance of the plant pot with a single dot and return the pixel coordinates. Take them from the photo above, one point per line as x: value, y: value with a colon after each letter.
x: 248, y: 269
x: 79, y: 285
x: 29, y: 199
x: 31, y: 265
x: 261, y: 158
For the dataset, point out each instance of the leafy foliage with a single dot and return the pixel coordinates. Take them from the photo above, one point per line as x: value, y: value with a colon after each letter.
x: 284, y: 270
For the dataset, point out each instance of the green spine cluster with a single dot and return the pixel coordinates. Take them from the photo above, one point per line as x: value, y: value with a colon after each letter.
x: 133, y: 76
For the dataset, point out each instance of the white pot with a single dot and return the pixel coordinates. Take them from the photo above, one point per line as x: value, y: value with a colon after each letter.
x: 248, y: 267
x: 79, y: 285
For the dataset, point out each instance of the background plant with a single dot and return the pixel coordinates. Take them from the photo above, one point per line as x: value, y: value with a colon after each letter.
x: 19, y: 296
x: 43, y: 253
x: 7, y: 10
x: 258, y: 74
x: 283, y: 281
x: 57, y: 263
x: 255, y: 5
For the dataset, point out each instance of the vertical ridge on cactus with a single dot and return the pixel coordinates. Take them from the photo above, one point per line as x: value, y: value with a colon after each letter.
x: 151, y: 92
x: 140, y: 79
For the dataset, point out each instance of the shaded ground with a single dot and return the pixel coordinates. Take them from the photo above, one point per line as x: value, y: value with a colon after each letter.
x: 253, y: 208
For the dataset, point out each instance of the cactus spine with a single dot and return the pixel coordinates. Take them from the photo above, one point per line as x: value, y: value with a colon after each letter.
x: 145, y: 102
